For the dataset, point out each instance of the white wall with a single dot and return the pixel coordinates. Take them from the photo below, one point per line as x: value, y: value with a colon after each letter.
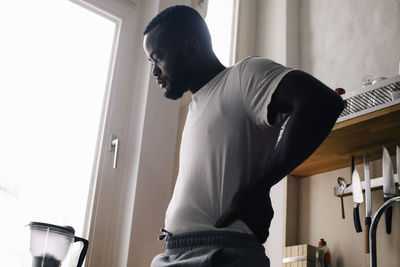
x: 342, y: 41
x: 271, y: 30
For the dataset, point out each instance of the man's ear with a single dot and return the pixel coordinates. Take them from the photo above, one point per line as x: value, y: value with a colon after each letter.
x: 191, y: 48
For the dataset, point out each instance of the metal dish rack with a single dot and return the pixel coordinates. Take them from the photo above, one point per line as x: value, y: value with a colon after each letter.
x: 371, y: 98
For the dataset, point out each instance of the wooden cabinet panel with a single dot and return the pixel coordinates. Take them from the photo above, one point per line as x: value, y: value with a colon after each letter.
x: 366, y: 133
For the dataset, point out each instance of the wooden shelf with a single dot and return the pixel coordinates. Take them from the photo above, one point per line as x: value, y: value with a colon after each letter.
x: 354, y: 137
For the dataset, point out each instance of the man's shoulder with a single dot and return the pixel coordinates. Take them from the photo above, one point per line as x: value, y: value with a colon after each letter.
x: 254, y: 63
x: 252, y: 59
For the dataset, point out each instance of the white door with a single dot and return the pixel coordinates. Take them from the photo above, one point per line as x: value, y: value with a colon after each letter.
x: 69, y: 82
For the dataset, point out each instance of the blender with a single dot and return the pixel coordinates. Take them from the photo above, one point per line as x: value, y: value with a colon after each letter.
x: 49, y: 244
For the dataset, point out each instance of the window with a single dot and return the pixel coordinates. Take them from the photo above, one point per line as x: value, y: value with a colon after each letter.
x: 220, y: 20
x: 55, y: 61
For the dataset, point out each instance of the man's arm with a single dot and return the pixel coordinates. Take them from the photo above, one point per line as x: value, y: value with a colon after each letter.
x: 313, y: 109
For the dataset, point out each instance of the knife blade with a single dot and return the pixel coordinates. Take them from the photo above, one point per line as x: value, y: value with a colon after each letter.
x: 389, y: 189
x: 368, y: 206
x: 357, y: 199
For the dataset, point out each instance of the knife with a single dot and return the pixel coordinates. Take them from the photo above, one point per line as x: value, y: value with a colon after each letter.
x: 398, y: 165
x: 357, y: 199
x: 342, y: 182
x: 368, y: 207
x: 389, y: 189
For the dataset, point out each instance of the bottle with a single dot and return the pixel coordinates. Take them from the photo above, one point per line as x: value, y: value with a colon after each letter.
x: 323, y: 255
x: 341, y: 91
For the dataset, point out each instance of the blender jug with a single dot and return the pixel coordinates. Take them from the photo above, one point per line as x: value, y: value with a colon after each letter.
x: 49, y: 244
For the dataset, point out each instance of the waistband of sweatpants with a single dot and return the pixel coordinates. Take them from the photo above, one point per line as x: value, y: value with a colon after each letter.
x: 186, y: 241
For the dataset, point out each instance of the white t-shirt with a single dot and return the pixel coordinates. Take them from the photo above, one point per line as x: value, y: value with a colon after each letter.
x: 226, y: 140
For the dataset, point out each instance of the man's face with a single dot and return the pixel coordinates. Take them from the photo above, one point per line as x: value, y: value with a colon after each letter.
x: 170, y: 69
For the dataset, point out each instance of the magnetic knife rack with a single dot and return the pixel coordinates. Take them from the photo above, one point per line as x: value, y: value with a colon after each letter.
x: 376, y: 184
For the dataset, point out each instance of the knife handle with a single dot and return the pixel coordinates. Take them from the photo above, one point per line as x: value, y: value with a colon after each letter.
x: 356, y: 217
x: 388, y: 218
x: 342, y: 204
x: 366, y: 234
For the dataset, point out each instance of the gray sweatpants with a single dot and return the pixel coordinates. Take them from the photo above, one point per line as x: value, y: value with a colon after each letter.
x: 212, y: 248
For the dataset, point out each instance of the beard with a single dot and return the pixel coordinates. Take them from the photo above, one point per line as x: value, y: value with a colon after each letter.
x: 178, y: 84
x: 174, y: 93
x: 173, y: 96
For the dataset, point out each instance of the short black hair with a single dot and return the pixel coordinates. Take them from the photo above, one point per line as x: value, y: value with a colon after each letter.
x: 184, y: 20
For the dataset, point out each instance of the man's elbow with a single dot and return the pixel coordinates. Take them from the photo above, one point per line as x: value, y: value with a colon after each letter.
x: 325, y: 103
x: 335, y: 104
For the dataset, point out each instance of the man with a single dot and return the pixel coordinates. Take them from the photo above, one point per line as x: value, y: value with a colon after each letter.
x: 230, y: 154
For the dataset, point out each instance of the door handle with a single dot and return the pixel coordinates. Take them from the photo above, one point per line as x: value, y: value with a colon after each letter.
x: 113, y: 146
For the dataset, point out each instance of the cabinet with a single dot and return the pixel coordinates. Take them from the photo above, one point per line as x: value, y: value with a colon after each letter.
x: 366, y: 133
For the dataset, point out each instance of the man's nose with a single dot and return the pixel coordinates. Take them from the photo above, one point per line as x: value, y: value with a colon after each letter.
x: 156, y: 70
